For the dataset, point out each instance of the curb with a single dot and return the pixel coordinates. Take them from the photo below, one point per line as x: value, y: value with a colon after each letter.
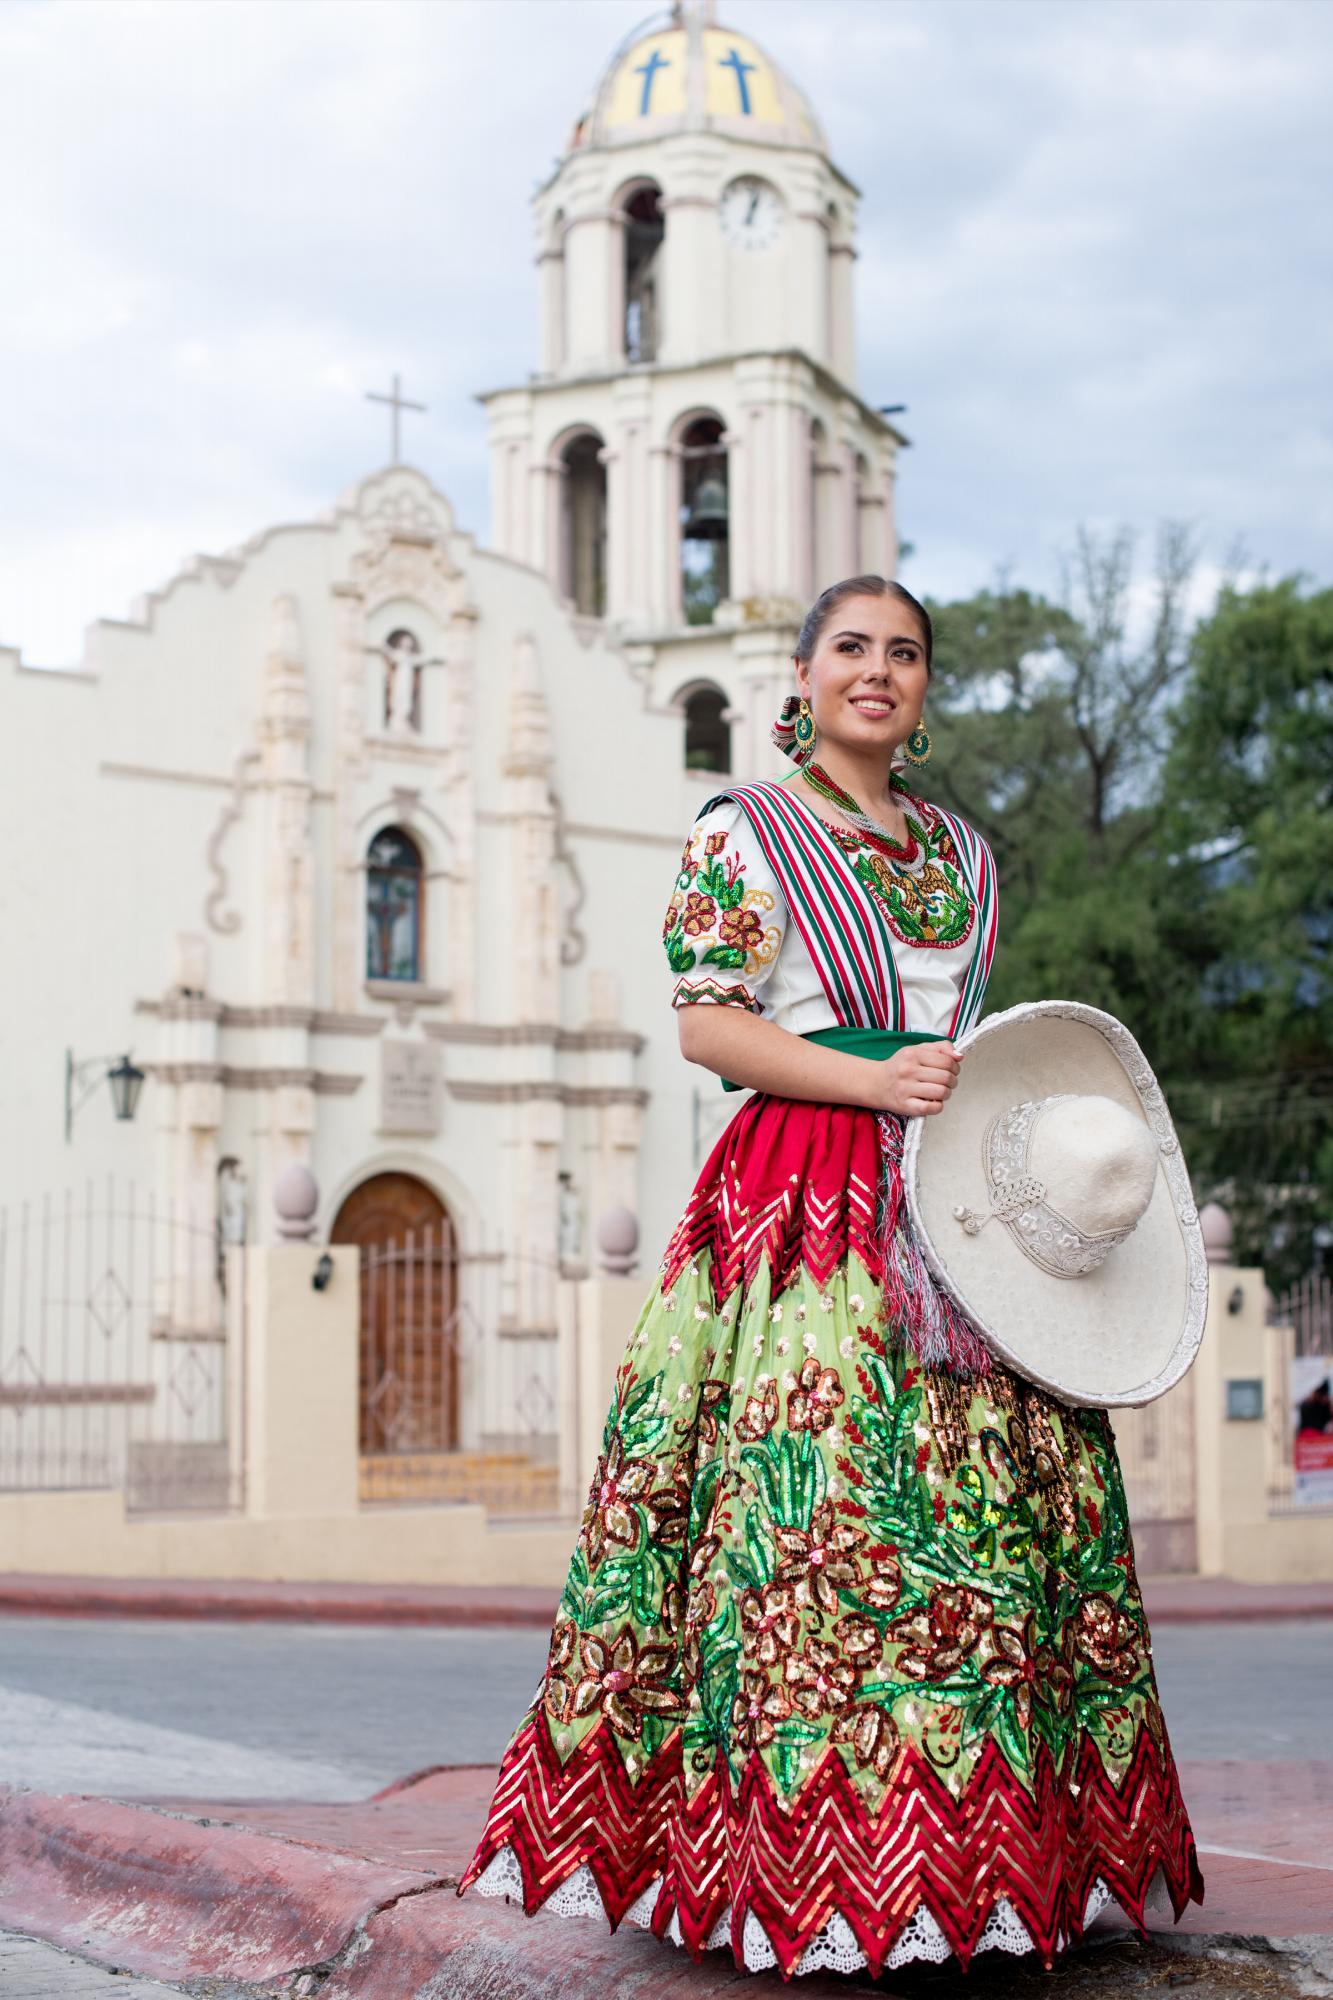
x: 527, y: 1607
x: 297, y: 1604
x: 186, y: 1898
x: 182, y: 1898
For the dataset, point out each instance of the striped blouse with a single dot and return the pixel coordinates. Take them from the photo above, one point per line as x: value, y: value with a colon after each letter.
x: 730, y: 940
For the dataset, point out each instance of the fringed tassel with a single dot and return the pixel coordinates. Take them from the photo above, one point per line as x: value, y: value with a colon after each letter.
x: 914, y: 1308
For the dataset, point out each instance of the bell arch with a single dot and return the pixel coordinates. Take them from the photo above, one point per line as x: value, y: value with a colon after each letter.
x: 581, y: 550
x: 707, y: 716
x: 704, y: 513
x: 642, y: 218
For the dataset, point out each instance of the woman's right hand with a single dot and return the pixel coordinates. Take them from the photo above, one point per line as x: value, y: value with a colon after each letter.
x: 918, y: 1080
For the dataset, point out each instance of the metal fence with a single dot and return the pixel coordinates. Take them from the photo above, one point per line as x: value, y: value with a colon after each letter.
x: 459, y: 1375
x: 1301, y: 1326
x: 114, y: 1352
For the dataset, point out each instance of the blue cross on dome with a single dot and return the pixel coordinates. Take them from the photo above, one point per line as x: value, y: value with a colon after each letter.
x: 732, y: 60
x: 648, y: 70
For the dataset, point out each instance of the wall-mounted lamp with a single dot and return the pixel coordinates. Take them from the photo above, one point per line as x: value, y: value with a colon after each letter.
x: 323, y: 1273
x: 1235, y: 1299
x: 123, y: 1078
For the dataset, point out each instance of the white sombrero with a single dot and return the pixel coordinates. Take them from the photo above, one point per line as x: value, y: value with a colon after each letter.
x: 1052, y: 1203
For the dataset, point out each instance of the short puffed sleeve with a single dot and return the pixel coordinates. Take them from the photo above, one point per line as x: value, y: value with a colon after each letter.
x: 726, y: 918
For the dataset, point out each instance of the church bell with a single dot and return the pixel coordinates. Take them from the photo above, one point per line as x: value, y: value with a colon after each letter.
x: 707, y: 520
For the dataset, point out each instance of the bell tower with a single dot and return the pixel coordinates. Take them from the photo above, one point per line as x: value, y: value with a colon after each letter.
x: 691, y: 462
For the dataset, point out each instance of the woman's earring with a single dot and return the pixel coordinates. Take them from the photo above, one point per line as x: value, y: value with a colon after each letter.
x: 805, y: 727
x: 917, y: 747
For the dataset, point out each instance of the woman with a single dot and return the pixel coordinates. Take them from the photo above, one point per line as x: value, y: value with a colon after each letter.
x: 851, y: 1665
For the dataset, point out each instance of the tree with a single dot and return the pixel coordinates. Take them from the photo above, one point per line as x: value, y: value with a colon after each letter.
x: 1049, y: 719
x: 1160, y: 801
x: 1247, y: 802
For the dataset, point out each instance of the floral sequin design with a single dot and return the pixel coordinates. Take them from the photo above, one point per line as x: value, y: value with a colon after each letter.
x: 923, y: 894
x: 713, y: 918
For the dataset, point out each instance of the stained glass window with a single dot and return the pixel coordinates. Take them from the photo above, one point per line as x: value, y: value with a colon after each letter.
x: 393, y: 906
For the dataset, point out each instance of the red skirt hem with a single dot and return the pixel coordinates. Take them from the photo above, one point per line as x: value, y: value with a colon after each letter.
x: 793, y: 1865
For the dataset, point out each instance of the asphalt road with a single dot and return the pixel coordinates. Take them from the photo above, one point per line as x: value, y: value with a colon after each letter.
x: 149, y: 1707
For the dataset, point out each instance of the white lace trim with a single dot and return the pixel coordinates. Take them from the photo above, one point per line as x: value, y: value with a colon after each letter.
x: 834, y: 1950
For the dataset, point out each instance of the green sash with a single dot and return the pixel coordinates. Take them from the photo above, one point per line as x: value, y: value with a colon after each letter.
x: 876, y: 1043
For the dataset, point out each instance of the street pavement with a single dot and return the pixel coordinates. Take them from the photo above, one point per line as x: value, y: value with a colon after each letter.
x: 138, y: 1708
x: 31, y: 1970
x: 143, y: 1707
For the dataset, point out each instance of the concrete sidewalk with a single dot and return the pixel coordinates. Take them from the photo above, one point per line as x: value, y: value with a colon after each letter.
x: 357, y: 1902
x: 1169, y: 1600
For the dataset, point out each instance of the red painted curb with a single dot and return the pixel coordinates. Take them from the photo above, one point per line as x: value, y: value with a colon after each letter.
x: 177, y: 1897
x: 185, y: 1895
x: 50, y: 1598
x: 1189, y: 1602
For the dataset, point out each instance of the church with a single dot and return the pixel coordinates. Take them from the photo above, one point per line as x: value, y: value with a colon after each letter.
x: 356, y: 839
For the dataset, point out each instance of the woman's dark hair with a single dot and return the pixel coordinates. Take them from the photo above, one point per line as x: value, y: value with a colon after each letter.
x: 827, y: 602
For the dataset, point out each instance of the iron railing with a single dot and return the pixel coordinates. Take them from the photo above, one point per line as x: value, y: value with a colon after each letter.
x: 1300, y: 1330
x: 115, y: 1347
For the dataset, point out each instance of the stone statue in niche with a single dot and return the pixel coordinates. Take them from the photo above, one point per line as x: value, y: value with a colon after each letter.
x: 403, y: 669
x: 570, y: 1220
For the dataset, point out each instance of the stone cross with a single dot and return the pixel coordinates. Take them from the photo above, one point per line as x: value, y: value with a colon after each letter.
x: 397, y: 403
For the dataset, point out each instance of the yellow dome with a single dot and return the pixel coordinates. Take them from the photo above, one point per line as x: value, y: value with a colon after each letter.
x: 689, y: 74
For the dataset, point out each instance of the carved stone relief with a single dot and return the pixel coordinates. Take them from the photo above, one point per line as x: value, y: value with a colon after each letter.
x: 218, y: 915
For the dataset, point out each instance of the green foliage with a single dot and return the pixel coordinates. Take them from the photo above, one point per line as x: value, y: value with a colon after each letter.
x: 1161, y: 814
x: 1247, y: 795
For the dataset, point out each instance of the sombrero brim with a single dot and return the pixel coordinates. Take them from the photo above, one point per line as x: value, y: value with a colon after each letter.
x: 1122, y: 1334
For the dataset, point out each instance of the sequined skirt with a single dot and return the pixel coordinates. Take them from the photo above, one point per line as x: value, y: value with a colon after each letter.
x: 851, y: 1646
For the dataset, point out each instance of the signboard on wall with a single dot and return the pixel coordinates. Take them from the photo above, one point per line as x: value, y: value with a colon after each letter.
x: 1311, y: 1380
x: 409, y: 1087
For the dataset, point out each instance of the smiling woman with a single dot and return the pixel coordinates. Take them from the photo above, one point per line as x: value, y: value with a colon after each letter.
x: 851, y: 1666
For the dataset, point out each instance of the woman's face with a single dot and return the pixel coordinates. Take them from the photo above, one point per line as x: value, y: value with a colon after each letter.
x: 867, y: 680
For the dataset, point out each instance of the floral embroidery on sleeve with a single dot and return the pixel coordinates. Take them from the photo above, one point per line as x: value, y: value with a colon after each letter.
x: 715, y: 918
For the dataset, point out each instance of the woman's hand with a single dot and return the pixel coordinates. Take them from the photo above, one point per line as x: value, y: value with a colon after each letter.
x: 917, y: 1082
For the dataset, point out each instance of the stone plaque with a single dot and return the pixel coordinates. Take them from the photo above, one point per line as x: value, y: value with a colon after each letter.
x: 409, y: 1086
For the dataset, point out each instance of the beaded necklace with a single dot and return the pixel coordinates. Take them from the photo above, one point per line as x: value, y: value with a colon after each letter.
x: 878, y: 836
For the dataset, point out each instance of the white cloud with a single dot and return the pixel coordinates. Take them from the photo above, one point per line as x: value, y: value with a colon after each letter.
x: 1095, y: 263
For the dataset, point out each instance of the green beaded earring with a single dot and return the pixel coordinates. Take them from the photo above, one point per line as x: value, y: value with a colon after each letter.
x: 917, y: 747
x: 805, y: 726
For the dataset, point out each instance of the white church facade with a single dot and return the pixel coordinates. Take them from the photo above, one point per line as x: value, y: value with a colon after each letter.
x: 358, y: 836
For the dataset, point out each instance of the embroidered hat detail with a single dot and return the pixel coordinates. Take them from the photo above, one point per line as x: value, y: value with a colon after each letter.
x: 1100, y: 1155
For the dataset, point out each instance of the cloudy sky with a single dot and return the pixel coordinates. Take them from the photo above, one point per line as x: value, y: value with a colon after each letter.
x: 1097, y: 264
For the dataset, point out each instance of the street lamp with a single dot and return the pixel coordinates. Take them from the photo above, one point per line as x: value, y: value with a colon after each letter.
x: 124, y: 1079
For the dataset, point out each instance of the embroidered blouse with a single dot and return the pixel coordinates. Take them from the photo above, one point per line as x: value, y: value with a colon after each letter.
x: 730, y: 939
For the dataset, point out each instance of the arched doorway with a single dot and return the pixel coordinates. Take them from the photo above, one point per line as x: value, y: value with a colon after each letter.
x: 409, y: 1317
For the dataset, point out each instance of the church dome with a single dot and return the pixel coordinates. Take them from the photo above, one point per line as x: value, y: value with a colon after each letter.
x: 686, y: 73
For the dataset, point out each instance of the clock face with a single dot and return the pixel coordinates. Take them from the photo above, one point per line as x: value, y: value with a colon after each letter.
x: 751, y: 212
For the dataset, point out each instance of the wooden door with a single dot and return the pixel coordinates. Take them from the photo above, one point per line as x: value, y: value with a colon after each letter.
x: 409, y: 1320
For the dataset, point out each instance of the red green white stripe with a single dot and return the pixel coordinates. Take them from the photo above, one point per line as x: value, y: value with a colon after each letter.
x: 978, y: 866
x: 841, y: 926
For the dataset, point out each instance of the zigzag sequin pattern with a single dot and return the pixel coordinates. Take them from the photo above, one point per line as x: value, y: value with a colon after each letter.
x: 790, y: 1867
x: 793, y: 1185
